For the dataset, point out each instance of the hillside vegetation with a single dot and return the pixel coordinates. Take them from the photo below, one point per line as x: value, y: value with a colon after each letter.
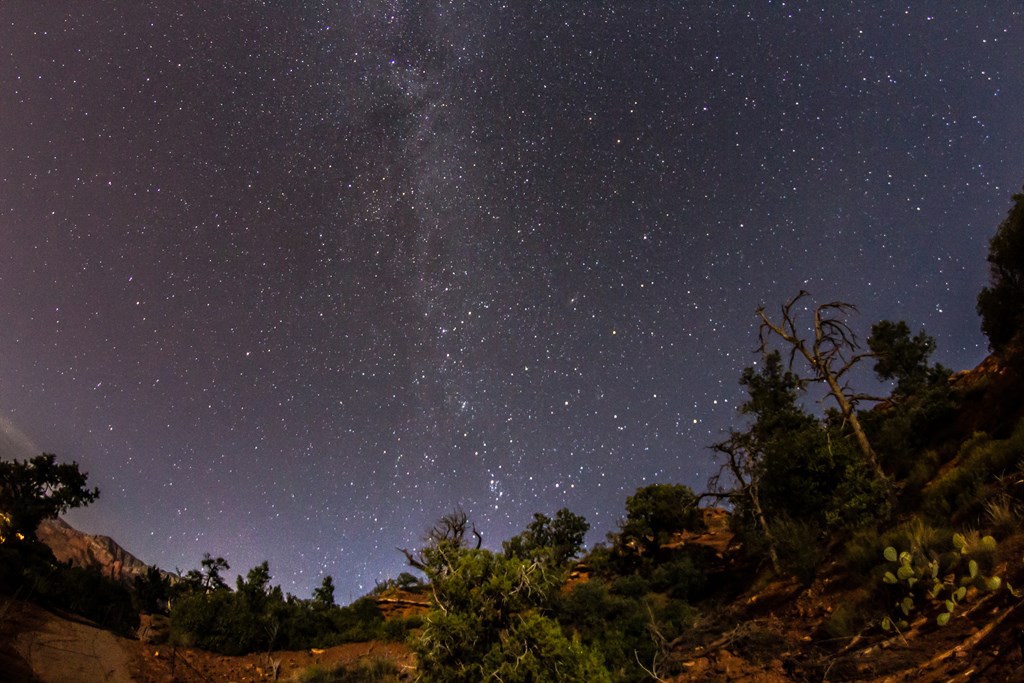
x: 878, y: 540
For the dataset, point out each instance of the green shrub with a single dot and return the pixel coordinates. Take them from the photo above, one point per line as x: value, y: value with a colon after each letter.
x: 979, y: 461
x: 623, y: 628
x: 1003, y: 515
x: 657, y: 511
x: 398, y: 630
x: 861, y: 551
x: 918, y: 536
x: 859, y: 499
x: 86, y: 591
x: 923, y: 470
x: 372, y: 671
x: 801, y: 547
x: 632, y: 586
x: 846, y: 621
x: 681, y: 577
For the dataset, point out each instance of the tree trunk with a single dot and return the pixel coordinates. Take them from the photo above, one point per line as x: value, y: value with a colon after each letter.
x: 850, y: 414
x: 762, y: 521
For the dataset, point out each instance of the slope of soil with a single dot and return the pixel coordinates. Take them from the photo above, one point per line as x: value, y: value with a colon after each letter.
x: 775, y: 633
x: 38, y: 646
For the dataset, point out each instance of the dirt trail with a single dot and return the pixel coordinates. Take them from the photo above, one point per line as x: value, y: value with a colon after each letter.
x: 37, y: 646
x: 58, y: 650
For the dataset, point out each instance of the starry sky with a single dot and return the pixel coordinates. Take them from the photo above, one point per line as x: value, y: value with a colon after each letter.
x: 291, y: 280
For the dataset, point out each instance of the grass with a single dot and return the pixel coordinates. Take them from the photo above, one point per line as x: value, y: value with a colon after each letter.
x: 372, y: 671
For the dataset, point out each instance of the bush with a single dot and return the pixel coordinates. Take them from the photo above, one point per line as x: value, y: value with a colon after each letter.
x: 917, y: 536
x: 859, y: 499
x: 86, y: 591
x: 801, y: 547
x: 1003, y: 515
x: 622, y: 627
x: 654, y: 513
x: 398, y: 630
x: 681, y: 577
x: 847, y: 620
x: 979, y: 461
x: 861, y: 552
x: 374, y: 671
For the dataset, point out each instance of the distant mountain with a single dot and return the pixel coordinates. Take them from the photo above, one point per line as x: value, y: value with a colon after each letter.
x: 85, y: 550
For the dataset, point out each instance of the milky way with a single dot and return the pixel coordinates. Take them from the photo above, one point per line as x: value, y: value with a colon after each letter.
x: 290, y: 283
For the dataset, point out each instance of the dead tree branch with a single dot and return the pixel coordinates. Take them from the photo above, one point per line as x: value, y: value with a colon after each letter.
x: 830, y: 354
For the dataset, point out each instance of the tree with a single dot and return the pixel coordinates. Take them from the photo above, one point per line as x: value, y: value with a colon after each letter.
x: 831, y: 354
x: 488, y: 618
x: 324, y: 594
x: 657, y: 511
x: 449, y: 533
x: 152, y: 591
x: 561, y: 537
x: 773, y: 404
x: 39, y: 489
x: 1001, y: 304
x: 208, y: 579
x: 901, y: 357
x: 256, y: 584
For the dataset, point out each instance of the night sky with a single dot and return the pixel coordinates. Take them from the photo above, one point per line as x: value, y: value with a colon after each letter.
x: 291, y: 280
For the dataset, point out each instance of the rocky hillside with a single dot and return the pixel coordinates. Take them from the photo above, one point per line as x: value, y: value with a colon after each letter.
x: 85, y: 550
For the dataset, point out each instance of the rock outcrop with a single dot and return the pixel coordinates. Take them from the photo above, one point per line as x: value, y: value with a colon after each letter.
x: 85, y: 550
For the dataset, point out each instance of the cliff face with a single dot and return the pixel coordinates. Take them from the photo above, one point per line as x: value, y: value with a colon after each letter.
x: 85, y: 550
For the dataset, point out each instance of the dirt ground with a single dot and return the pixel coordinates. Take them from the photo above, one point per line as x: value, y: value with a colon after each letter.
x: 39, y: 646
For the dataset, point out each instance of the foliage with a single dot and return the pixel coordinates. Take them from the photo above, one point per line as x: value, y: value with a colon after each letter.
x: 152, y: 591
x: 625, y: 621
x: 830, y: 354
x: 38, y: 489
x: 859, y: 498
x: 488, y: 614
x: 29, y: 571
x: 561, y: 537
x: 207, y: 578
x: 963, y: 489
x: 903, y: 358
x: 681, y: 577
x: 1001, y: 304
x: 791, y: 476
x: 87, y: 592
x: 490, y: 611
x: 1003, y: 514
x: 921, y: 405
x: 374, y: 671
x: 847, y: 620
x: 801, y: 547
x: 324, y: 593
x: 534, y: 648
x: 258, y: 616
x: 773, y: 399
x: 657, y: 511
x: 773, y: 392
x: 936, y: 582
x: 404, y: 581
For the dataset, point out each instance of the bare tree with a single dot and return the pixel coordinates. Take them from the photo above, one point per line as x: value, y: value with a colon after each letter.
x: 449, y: 530
x: 740, y: 464
x: 831, y: 354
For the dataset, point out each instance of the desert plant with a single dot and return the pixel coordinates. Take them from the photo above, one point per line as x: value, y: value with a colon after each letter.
x: 1003, y: 515
x: 930, y: 582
